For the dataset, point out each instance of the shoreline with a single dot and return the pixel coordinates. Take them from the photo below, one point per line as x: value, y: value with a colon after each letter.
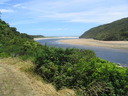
x: 53, y: 38
x: 123, y: 45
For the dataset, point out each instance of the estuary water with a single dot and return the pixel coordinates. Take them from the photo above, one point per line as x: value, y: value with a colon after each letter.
x: 109, y: 54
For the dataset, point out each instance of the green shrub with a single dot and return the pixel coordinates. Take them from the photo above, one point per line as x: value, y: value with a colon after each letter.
x: 81, y: 70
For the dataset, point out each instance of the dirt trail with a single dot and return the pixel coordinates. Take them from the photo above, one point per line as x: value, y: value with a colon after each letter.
x: 13, y: 82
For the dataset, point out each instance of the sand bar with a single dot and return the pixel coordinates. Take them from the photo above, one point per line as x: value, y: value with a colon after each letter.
x: 91, y: 42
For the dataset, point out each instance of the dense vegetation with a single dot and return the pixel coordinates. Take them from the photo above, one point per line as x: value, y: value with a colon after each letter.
x: 77, y: 69
x: 81, y: 70
x: 37, y: 36
x: 115, y: 31
x: 13, y: 43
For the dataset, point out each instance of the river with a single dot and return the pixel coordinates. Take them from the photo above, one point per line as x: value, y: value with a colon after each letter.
x: 109, y: 54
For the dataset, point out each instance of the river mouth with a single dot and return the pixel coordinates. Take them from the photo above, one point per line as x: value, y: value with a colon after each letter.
x: 113, y: 55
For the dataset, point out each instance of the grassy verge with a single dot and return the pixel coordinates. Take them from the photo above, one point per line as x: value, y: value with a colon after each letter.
x: 37, y: 82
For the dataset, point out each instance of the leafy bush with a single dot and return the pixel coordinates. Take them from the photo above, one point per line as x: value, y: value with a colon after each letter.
x: 81, y: 70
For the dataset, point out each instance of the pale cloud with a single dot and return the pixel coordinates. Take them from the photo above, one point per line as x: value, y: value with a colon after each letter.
x: 19, y: 6
x: 81, y: 11
x: 3, y: 1
x: 100, y: 15
x: 59, y: 5
x: 6, y: 10
x: 77, y: 10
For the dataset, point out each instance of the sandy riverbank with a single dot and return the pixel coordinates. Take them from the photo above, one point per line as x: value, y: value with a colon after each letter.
x: 53, y: 38
x: 91, y: 42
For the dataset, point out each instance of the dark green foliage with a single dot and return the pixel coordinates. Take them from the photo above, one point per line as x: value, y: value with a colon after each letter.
x: 114, y: 31
x: 37, y: 36
x: 77, y: 69
x: 81, y: 70
x: 13, y: 43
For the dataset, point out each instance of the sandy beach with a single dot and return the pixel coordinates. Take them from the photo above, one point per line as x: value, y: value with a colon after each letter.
x: 53, y: 38
x: 91, y: 42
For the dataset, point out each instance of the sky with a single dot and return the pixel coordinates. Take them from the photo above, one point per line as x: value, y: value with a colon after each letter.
x: 61, y: 17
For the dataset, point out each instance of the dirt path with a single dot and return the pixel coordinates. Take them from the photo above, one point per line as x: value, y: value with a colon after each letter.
x: 14, y: 82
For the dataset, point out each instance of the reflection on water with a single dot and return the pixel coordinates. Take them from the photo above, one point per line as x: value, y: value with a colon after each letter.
x: 109, y: 54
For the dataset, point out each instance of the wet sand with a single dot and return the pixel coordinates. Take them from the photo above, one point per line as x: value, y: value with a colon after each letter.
x: 91, y: 42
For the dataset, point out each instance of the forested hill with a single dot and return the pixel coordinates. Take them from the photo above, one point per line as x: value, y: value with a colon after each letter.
x: 37, y: 36
x: 115, y: 31
x: 7, y: 32
x: 12, y: 42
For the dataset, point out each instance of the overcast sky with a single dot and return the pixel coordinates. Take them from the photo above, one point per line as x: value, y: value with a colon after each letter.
x: 61, y: 17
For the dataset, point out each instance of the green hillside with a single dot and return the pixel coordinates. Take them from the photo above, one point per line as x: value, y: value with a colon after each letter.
x: 12, y: 42
x: 115, y: 31
x: 37, y: 36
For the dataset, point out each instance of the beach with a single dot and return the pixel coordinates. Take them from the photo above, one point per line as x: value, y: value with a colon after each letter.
x: 53, y: 38
x: 91, y: 42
